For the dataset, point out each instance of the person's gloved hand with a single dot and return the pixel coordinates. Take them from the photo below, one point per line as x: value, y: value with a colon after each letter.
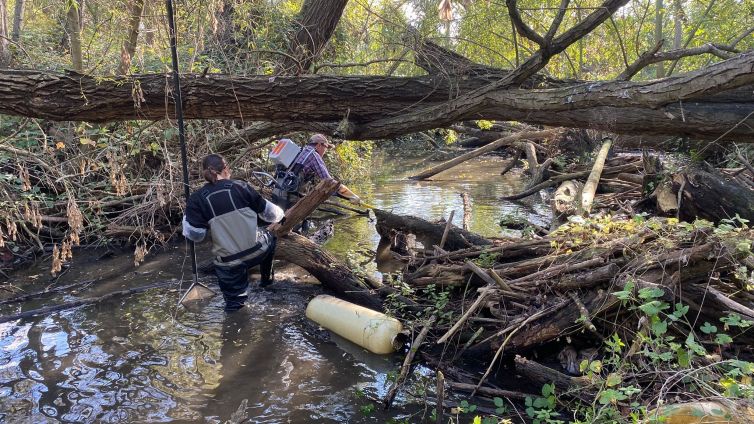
x: 356, y: 200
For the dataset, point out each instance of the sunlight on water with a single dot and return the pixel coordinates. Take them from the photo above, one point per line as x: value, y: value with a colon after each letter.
x: 356, y: 238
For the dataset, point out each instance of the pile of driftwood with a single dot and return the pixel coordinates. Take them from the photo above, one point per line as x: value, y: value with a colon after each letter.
x: 554, y: 300
x: 519, y: 313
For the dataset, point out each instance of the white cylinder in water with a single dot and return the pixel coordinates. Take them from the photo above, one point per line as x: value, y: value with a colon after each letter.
x: 369, y: 329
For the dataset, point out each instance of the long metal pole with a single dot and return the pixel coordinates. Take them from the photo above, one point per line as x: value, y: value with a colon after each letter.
x: 181, y: 130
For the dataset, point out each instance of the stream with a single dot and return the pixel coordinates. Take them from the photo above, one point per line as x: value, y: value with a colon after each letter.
x: 143, y: 359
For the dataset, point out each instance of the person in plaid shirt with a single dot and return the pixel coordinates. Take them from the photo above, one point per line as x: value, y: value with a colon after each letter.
x: 312, y: 164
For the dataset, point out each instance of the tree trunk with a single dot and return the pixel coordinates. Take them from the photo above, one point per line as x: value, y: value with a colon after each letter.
x: 73, y: 27
x: 136, y: 7
x: 427, y: 232
x: 506, y: 141
x: 660, y: 66
x: 4, y: 45
x: 711, y: 197
x: 315, y: 25
x: 693, y: 32
x: 677, y: 24
x: 148, y: 22
x: 82, y: 6
x: 18, y: 20
x: 333, y: 275
x: 224, y: 29
x: 679, y: 105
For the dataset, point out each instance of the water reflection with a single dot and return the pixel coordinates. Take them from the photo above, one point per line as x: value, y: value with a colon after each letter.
x: 356, y: 238
x: 132, y: 361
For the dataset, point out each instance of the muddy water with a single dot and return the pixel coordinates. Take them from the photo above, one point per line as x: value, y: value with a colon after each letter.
x: 142, y: 359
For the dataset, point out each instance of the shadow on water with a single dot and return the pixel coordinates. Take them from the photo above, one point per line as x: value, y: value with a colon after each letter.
x: 142, y: 359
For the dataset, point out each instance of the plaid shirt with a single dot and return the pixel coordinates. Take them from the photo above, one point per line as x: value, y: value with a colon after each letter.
x: 312, y: 164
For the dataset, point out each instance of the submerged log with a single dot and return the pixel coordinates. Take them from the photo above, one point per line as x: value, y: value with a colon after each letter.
x: 511, y: 162
x: 333, y: 274
x: 88, y: 301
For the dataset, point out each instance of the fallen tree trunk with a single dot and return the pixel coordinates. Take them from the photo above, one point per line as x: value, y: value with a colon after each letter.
x: 634, y: 166
x: 540, y: 374
x: 429, y: 233
x: 711, y: 197
x: 323, y: 101
x: 304, y: 207
x: 590, y: 187
x: 301, y: 251
x: 333, y: 275
x: 505, y: 141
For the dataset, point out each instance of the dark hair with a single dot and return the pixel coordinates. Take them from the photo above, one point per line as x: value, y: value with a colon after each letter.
x: 212, y: 165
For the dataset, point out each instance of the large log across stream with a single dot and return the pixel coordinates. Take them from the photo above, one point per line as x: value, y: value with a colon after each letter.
x: 704, y: 104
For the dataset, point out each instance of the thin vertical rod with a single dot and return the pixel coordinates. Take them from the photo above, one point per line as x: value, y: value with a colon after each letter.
x: 181, y: 130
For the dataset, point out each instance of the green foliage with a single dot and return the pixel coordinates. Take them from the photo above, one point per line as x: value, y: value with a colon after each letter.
x: 438, y: 301
x: 486, y: 260
x: 668, y: 340
x: 542, y: 409
x: 367, y: 409
x: 500, y: 407
x: 483, y: 124
x: 450, y: 136
x: 351, y: 160
x: 466, y: 407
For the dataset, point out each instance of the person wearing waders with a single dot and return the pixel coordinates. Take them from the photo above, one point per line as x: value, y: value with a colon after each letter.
x: 231, y: 209
x: 308, y: 166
